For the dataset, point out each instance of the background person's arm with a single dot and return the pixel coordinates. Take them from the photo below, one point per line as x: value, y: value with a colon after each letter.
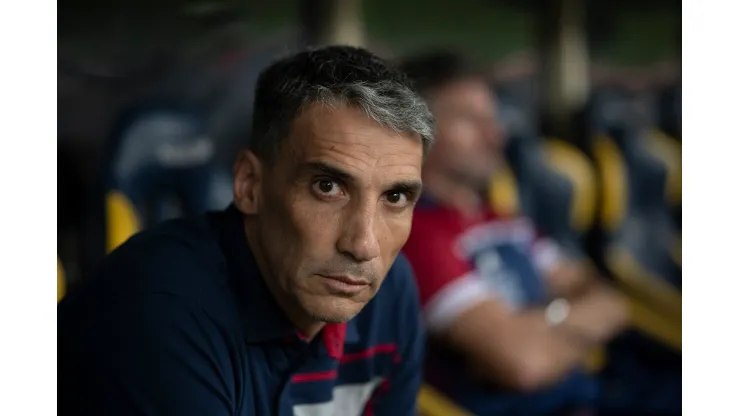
x: 598, y: 311
x: 518, y: 350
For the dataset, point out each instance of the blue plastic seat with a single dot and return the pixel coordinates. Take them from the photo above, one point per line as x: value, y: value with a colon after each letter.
x: 160, y: 165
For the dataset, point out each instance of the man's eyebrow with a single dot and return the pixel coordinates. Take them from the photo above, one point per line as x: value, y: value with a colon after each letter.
x: 330, y: 170
x: 412, y: 187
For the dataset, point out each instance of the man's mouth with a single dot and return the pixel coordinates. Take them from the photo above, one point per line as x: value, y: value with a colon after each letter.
x: 344, y: 284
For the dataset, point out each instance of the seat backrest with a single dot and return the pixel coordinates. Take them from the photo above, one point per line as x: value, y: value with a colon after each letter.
x: 669, y: 111
x: 433, y: 403
x: 555, y: 188
x: 573, y: 178
x: 61, y: 281
x: 654, y: 180
x: 610, y: 111
x: 511, y: 190
x: 666, y: 151
x: 640, y: 179
x: 613, y: 183
x: 634, y: 212
x: 517, y: 110
x: 503, y: 193
x: 160, y: 165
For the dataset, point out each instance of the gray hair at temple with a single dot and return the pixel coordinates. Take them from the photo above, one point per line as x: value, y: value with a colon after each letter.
x: 335, y: 75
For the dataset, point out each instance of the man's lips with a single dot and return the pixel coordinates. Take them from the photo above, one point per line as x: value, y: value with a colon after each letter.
x: 349, y: 280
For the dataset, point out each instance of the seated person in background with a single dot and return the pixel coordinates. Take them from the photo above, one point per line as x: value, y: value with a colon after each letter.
x: 510, y: 318
x: 293, y: 301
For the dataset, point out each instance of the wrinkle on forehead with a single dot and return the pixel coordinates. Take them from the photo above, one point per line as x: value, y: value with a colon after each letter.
x: 346, y: 136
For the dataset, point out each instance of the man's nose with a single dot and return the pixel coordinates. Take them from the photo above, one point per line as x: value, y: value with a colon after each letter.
x: 358, y: 239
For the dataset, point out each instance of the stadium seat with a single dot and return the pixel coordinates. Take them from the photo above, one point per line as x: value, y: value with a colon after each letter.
x: 640, y: 171
x: 669, y: 111
x: 433, y: 403
x: 504, y: 192
x: 160, y: 165
x: 566, y: 189
x: 645, y: 226
x: 646, y: 137
x: 638, y: 246
x: 666, y: 150
x: 61, y: 281
x: 551, y: 182
x: 635, y: 249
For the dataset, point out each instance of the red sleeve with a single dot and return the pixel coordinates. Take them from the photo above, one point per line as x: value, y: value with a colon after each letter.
x: 431, y: 251
x: 448, y: 283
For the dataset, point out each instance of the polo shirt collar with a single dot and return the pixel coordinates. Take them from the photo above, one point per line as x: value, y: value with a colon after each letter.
x: 263, y: 318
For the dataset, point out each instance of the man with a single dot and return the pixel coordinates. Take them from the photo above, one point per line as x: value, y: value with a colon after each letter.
x: 510, y: 320
x: 275, y: 306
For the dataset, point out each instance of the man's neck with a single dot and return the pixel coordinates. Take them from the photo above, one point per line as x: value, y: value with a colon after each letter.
x: 455, y: 194
x: 305, y: 326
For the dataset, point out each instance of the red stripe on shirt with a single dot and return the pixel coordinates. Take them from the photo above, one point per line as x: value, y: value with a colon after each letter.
x: 319, y: 376
x: 370, y: 352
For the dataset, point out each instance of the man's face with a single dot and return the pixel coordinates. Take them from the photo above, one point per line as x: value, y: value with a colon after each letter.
x: 335, y: 209
x: 469, y: 141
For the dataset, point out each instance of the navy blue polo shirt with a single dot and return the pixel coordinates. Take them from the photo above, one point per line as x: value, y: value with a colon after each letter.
x: 179, y: 322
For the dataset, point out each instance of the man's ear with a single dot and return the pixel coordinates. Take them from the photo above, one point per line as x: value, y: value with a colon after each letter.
x: 248, y: 177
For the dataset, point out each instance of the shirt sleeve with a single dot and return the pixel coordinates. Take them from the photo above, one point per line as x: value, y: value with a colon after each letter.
x: 546, y: 253
x: 151, y: 355
x: 448, y: 283
x: 397, y: 395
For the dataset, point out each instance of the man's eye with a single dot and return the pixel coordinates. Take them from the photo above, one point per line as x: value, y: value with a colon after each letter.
x: 397, y: 198
x: 327, y: 187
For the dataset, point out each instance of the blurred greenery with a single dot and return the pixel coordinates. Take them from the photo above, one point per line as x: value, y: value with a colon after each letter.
x: 474, y: 26
x: 490, y: 30
x: 644, y: 37
x: 643, y: 31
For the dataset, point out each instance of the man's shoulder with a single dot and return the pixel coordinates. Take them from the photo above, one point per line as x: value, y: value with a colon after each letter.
x: 179, y: 257
x: 170, y: 279
x: 185, y: 232
x: 180, y: 243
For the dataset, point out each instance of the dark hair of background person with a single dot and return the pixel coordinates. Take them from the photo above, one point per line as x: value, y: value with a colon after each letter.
x: 435, y: 69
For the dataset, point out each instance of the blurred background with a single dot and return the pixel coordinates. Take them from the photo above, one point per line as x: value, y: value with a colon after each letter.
x: 155, y: 98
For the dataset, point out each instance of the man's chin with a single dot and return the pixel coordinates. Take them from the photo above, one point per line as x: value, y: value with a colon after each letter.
x: 335, y: 311
x: 334, y: 319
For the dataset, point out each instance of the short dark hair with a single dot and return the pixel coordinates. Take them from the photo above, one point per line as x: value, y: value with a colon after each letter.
x: 334, y: 75
x: 434, y: 69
